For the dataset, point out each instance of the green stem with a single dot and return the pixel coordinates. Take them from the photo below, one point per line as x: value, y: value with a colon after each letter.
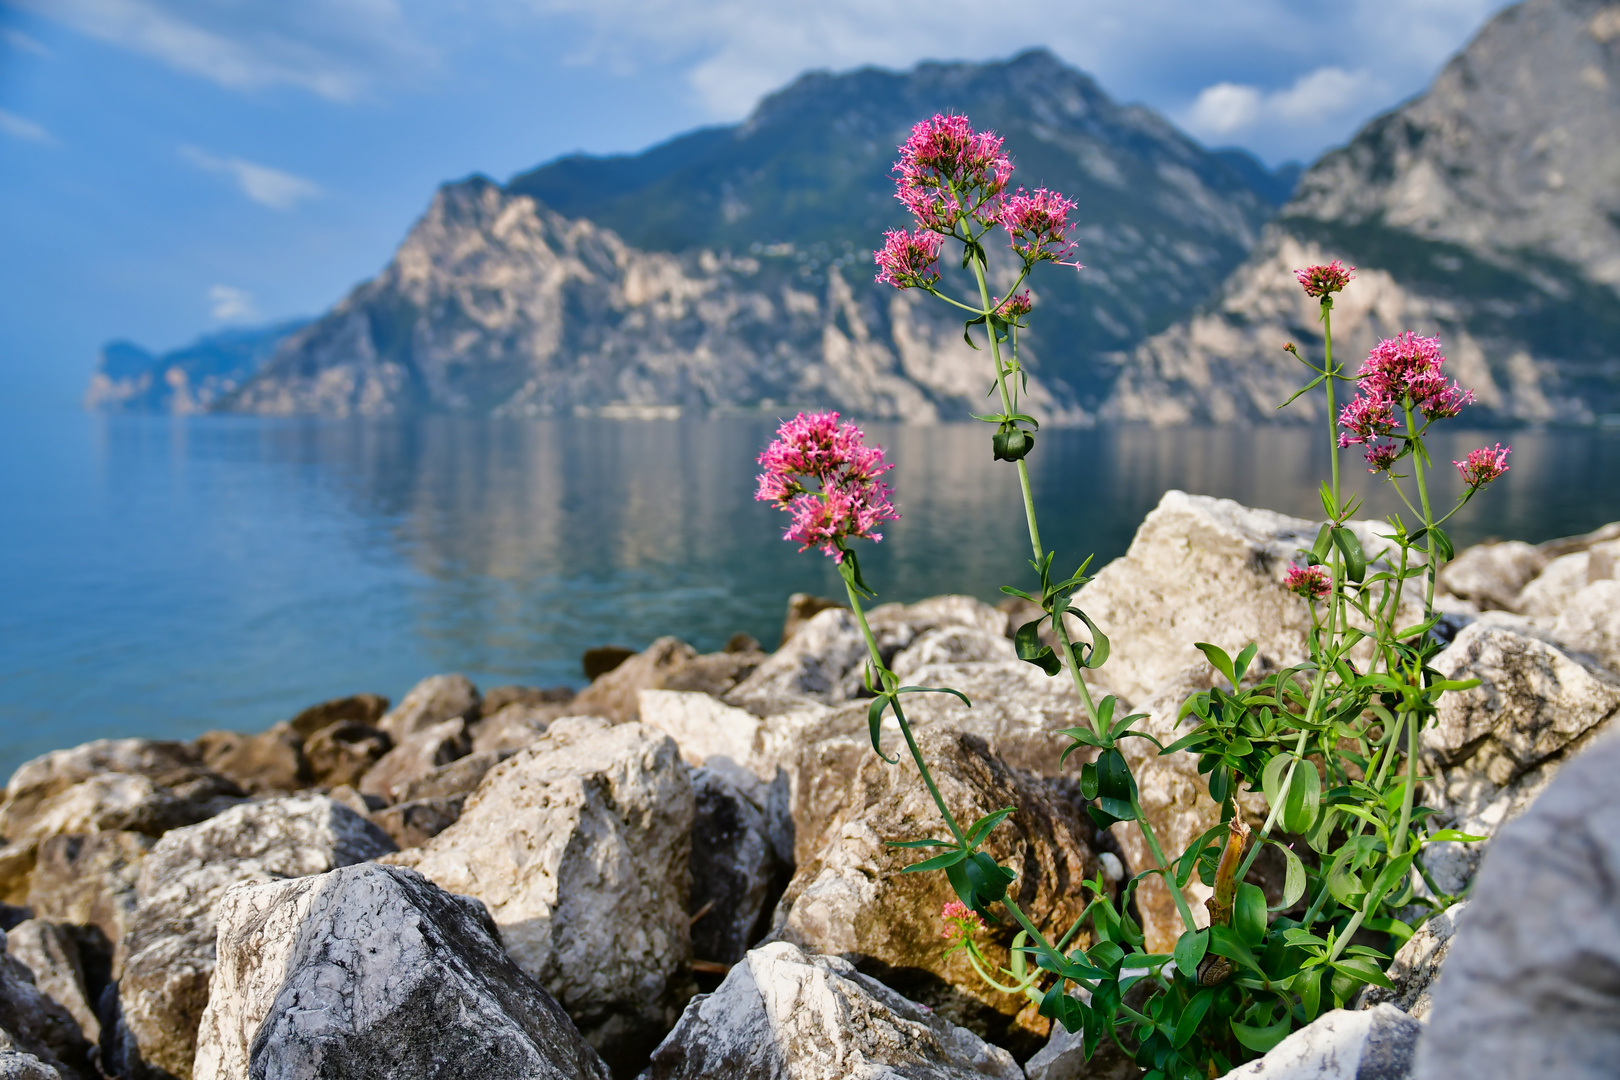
x: 890, y: 684
x: 1327, y: 364
x: 1428, y: 521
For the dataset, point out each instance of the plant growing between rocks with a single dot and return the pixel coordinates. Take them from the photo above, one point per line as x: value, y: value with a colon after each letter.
x: 1330, y: 742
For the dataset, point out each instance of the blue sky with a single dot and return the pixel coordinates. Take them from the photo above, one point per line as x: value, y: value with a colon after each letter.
x: 169, y: 167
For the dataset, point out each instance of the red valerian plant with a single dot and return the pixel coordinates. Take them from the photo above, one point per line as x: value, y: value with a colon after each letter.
x: 1330, y: 743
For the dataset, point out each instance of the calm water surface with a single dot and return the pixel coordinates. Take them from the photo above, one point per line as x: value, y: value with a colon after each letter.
x: 167, y: 576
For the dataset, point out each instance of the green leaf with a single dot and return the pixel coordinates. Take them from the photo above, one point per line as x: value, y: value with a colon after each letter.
x: 1192, y: 1016
x: 1263, y: 1039
x: 988, y: 879
x: 935, y: 690
x: 982, y: 828
x: 919, y: 843
x: 1455, y: 836
x: 1442, y: 544
x: 1249, y: 914
x: 938, y: 862
x: 1114, y: 785
x: 1218, y: 658
x: 874, y: 720
x: 850, y: 570
x: 1362, y: 969
x: 1355, y: 563
x: 1304, y: 797
x: 1098, y: 654
x: 1308, y: 985
x: 1224, y: 941
x: 1293, y: 878
x: 1059, y: 1006
x: 1324, y: 541
x: 1106, y: 955
x: 1027, y: 642
x: 1190, y: 949
x: 1245, y: 658
x: 1303, y: 938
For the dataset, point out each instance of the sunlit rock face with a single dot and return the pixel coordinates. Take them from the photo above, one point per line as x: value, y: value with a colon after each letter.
x: 731, y: 268
x: 1483, y: 211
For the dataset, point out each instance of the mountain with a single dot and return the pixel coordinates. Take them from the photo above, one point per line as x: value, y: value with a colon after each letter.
x: 1486, y: 210
x: 731, y: 267
x: 186, y: 380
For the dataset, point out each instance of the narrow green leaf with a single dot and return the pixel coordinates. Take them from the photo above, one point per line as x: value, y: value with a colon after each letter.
x: 1218, y: 658
x: 1442, y: 544
x: 1293, y: 878
x: 1245, y: 658
x: 1027, y: 643
x: 935, y: 690
x: 874, y: 720
x: 919, y: 843
x: 1355, y: 563
x: 938, y: 862
x: 1192, y: 1016
x: 1455, y: 836
x: 1098, y: 654
x: 1263, y: 1039
x: 1324, y: 541
x: 1364, y: 970
x: 1304, y: 796
x: 982, y: 828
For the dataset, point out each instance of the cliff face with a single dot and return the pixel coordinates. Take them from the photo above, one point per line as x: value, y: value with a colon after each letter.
x: 1486, y: 210
x: 731, y: 268
x: 187, y: 380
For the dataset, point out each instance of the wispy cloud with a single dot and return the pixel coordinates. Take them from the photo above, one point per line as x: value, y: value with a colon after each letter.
x: 227, y: 303
x: 334, y: 48
x: 19, y: 127
x: 269, y: 187
x: 22, y: 42
x: 1231, y: 111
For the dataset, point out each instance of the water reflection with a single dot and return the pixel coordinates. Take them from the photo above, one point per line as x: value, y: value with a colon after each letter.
x: 165, y: 576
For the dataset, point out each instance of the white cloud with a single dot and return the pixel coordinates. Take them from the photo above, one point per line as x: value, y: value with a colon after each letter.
x: 23, y: 43
x: 19, y: 127
x: 230, y: 304
x: 1322, y: 100
x: 264, y: 185
x: 334, y: 48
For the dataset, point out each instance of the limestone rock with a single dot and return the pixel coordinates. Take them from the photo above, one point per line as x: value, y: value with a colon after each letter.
x: 364, y: 709
x: 1553, y: 589
x: 31, y: 1023
x: 784, y: 1015
x: 89, y: 883
x: 1378, y: 1044
x: 271, y: 762
x: 1590, y: 623
x: 514, y: 726
x: 704, y: 727
x: 341, y: 752
x: 734, y: 866
x: 15, y: 1066
x: 1495, y: 747
x: 454, y: 779
x: 168, y: 952
x: 372, y: 971
x: 1491, y: 576
x: 1203, y: 569
x: 168, y: 763
x: 434, y: 700
x: 667, y: 664
x: 801, y: 608
x: 1064, y: 1058
x: 1532, y: 985
x: 1417, y: 966
x: 852, y: 898
x: 416, y: 756
x: 413, y: 823
x: 579, y: 847
x: 51, y: 953
x: 502, y: 696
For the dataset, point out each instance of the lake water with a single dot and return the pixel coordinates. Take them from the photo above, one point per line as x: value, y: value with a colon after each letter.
x: 167, y: 576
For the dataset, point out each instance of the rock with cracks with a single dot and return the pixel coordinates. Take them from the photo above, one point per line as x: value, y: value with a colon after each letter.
x: 785, y: 1015
x: 853, y: 898
x: 169, y: 949
x: 1378, y: 1044
x: 579, y: 847
x: 373, y: 973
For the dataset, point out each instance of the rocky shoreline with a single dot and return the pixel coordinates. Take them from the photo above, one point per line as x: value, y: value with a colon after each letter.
x: 529, y: 882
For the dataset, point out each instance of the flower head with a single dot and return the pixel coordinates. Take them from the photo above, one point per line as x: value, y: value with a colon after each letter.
x: 1014, y: 306
x: 908, y: 260
x: 961, y: 922
x: 1325, y: 280
x: 1038, y: 224
x: 1406, y: 368
x: 1482, y: 466
x: 948, y: 171
x: 1381, y: 455
x: 1311, y: 582
x: 824, y: 475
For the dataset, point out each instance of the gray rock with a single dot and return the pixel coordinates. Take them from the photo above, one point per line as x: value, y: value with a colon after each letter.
x: 514, y: 727
x: 415, y: 757
x: 372, y: 971
x: 434, y: 700
x: 412, y: 824
x: 1495, y: 747
x: 168, y: 952
x: 89, y: 883
x: 801, y: 608
x: 666, y: 664
x: 1378, y: 1044
x: 852, y: 899
x: 33, y: 1024
x: 1532, y: 985
x: 271, y: 762
x: 1553, y: 589
x: 579, y: 847
x: 784, y: 1015
x: 15, y: 1066
x: 1064, y: 1058
x: 363, y: 709
x: 1491, y: 576
x: 340, y: 753
x: 734, y: 866
x: 1417, y: 966
x: 51, y: 953
x: 1590, y: 623
x: 453, y: 780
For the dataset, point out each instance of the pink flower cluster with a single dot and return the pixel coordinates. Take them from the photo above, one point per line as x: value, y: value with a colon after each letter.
x: 1325, y: 280
x: 908, y: 260
x: 822, y: 473
x: 948, y: 173
x: 1311, y: 582
x: 1039, y: 224
x: 1482, y: 466
x: 1014, y: 306
x: 961, y: 921
x: 1401, y: 372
